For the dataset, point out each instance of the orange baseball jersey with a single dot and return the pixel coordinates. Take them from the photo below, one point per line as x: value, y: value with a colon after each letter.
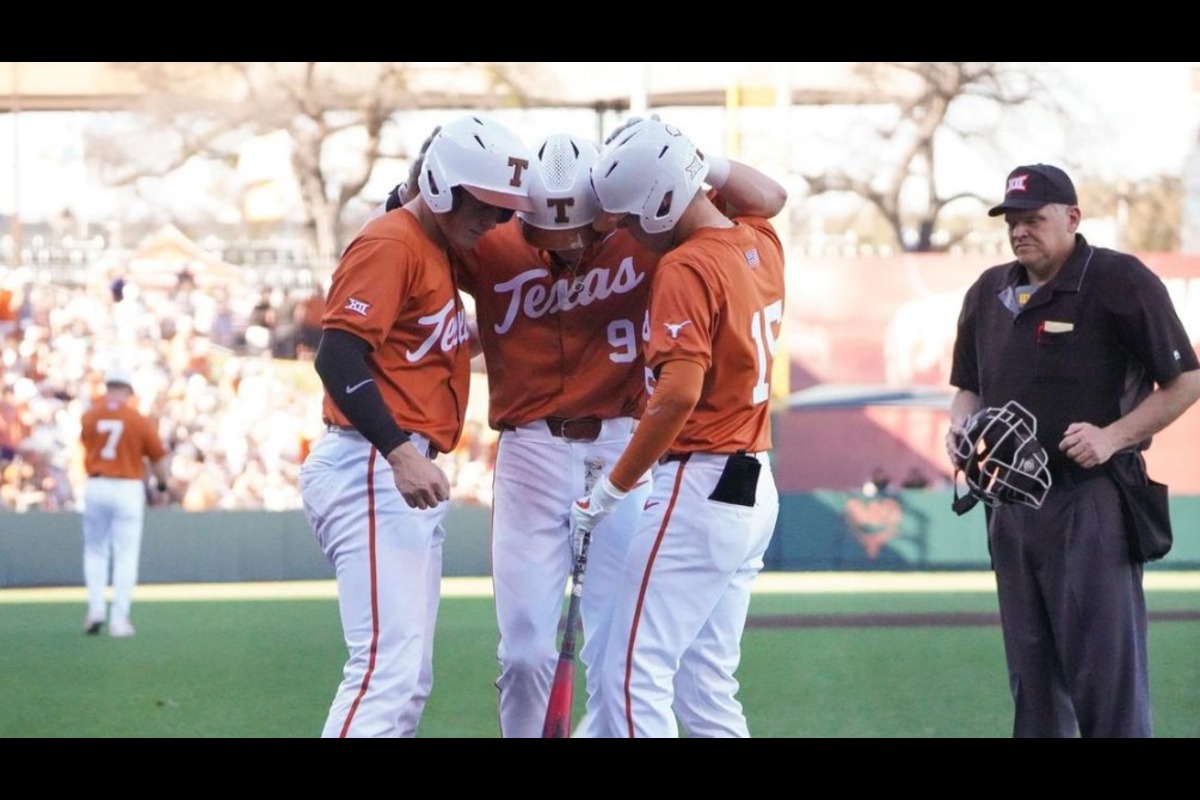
x: 393, y: 288
x: 718, y: 300
x: 117, y: 439
x: 559, y: 344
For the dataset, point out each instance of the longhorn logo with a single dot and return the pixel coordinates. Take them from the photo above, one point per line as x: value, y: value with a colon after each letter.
x: 675, y: 328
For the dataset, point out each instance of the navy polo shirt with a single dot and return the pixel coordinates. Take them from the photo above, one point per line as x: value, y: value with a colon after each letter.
x: 1087, y: 346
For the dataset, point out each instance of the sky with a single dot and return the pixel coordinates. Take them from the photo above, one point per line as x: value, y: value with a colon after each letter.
x: 1128, y: 120
x: 1136, y: 119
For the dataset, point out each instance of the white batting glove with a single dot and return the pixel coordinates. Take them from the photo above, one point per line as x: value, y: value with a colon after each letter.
x: 589, y: 510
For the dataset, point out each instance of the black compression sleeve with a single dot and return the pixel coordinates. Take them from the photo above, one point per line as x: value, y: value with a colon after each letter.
x: 341, y: 363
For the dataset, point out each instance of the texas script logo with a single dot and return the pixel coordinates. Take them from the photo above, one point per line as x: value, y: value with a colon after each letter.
x: 448, y: 328
x: 538, y: 300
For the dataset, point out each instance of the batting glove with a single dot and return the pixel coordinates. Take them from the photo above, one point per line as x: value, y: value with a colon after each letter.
x: 588, y: 511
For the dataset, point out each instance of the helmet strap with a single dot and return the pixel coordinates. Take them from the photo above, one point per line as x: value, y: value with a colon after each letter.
x: 962, y: 505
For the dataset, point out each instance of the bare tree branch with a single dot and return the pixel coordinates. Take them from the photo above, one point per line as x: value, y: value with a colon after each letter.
x: 209, y: 110
x: 898, y: 175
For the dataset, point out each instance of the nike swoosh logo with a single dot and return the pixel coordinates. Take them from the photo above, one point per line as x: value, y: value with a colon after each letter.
x: 651, y: 504
x: 357, y: 386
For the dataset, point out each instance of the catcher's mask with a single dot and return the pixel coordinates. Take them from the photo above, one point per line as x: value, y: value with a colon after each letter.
x: 1001, y: 459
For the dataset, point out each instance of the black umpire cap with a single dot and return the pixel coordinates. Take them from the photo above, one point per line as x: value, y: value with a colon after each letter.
x: 1034, y: 186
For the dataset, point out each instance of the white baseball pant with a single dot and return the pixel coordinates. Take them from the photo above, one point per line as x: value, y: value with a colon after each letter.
x: 537, y: 478
x: 679, y: 614
x: 113, y: 512
x: 388, y: 560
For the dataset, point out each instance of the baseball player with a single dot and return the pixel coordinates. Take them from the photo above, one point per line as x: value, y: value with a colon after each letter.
x: 117, y: 440
x: 715, y: 310
x: 561, y: 315
x: 394, y: 359
x: 560, y: 318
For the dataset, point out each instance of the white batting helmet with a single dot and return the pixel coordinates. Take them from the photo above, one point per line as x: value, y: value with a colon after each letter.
x: 483, y: 157
x: 651, y: 170
x: 562, y: 191
x: 118, y: 377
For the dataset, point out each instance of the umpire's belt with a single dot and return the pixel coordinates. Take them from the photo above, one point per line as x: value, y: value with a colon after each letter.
x: 1064, y: 472
x: 1069, y: 473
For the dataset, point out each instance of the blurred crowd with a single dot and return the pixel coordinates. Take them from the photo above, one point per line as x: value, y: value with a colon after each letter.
x: 226, y: 372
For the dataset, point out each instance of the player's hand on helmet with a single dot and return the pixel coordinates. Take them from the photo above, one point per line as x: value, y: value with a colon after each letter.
x: 418, y: 479
x: 588, y: 511
x: 410, y: 187
x: 407, y: 189
x: 627, y: 124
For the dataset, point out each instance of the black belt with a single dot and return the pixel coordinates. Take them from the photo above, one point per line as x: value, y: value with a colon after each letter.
x: 576, y: 429
x: 667, y: 458
x: 1070, y: 474
x: 583, y: 429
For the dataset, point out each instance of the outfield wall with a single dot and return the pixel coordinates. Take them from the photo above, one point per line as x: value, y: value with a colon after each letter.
x: 826, y: 530
x: 817, y: 531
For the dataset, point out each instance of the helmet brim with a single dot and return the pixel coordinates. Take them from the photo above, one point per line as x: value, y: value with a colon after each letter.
x: 513, y: 202
x: 607, y: 221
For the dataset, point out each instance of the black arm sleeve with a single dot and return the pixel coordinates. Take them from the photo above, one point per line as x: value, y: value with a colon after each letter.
x: 341, y: 362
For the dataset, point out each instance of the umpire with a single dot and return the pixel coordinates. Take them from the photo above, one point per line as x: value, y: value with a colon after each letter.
x: 1087, y: 339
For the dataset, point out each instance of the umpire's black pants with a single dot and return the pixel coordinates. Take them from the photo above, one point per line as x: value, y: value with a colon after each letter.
x: 1073, y: 613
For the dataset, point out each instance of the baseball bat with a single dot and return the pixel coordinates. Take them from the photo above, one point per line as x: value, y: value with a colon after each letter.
x: 557, y: 724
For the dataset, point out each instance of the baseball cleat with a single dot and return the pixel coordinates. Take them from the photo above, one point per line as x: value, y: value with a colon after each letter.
x: 92, y: 626
x: 121, y: 628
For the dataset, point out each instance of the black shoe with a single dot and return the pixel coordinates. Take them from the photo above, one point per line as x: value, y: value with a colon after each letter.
x: 92, y: 627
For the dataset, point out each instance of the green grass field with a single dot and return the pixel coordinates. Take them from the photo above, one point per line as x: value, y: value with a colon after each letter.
x: 262, y: 662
